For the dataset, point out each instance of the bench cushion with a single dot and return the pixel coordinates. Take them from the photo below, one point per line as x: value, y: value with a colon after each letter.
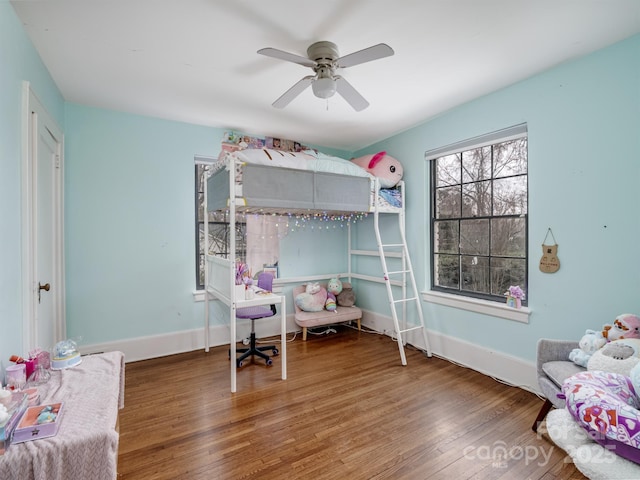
x: 341, y: 314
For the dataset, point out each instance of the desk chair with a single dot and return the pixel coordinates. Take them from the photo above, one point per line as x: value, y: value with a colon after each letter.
x: 265, y: 281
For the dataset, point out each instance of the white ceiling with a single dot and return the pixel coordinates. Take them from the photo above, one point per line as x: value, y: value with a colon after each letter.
x: 195, y: 61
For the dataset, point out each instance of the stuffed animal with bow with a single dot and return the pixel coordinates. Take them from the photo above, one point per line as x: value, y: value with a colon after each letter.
x: 626, y: 325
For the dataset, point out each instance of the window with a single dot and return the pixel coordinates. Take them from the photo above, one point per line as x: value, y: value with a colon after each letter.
x: 218, y: 228
x: 479, y: 232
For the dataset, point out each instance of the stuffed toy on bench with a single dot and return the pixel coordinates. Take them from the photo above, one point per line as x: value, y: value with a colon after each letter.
x: 315, y: 306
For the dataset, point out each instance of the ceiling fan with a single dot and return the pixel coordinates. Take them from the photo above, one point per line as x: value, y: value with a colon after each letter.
x: 324, y: 59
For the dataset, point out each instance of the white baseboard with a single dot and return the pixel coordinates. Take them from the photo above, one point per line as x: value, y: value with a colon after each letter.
x: 503, y: 367
x: 154, y: 346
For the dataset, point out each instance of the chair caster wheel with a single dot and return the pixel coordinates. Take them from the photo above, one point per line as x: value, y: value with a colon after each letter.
x: 239, y: 363
x: 269, y: 362
x: 275, y: 351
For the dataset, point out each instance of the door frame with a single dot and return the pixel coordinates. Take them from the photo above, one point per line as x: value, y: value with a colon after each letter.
x: 30, y: 103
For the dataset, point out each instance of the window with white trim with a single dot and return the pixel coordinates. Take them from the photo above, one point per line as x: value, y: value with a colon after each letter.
x: 218, y: 227
x: 479, y: 222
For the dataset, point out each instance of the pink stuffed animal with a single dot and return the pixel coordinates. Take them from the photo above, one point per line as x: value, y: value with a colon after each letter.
x: 385, y: 167
x: 626, y: 325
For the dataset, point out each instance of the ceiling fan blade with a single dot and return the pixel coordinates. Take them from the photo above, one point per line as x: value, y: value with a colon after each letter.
x: 293, y: 92
x: 289, y: 57
x: 368, y: 54
x: 350, y: 94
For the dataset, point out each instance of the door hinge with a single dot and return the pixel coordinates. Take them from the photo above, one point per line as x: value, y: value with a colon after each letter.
x: 57, y: 161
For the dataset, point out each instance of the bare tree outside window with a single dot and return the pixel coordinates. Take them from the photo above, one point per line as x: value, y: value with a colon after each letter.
x: 479, y: 220
x: 218, y: 230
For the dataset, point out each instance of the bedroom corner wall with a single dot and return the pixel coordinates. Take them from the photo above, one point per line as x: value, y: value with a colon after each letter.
x: 20, y: 62
x: 583, y: 119
x: 130, y: 213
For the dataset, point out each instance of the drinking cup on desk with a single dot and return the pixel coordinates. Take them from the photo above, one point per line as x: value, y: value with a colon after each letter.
x: 16, y: 376
x: 249, y: 294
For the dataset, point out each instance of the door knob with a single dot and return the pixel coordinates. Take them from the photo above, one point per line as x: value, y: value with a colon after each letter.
x: 41, y: 287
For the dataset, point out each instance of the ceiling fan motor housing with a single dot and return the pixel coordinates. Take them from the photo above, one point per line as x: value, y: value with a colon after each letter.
x: 323, y: 52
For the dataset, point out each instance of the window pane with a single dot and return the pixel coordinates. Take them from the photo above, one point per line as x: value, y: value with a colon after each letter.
x: 448, y: 202
x: 200, y: 239
x: 446, y: 237
x: 510, y: 196
x: 479, y: 223
x: 506, y: 272
x: 510, y: 158
x: 448, y: 169
x: 474, y: 237
x: 201, y: 271
x: 200, y: 207
x: 447, y: 271
x: 476, y: 164
x: 476, y: 199
x: 508, y: 237
x: 475, y: 274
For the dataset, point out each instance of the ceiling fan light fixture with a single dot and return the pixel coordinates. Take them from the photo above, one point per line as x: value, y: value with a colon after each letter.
x: 323, y: 58
x: 324, y: 87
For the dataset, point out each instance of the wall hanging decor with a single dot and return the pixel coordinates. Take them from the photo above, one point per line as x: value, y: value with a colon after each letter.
x: 549, y: 263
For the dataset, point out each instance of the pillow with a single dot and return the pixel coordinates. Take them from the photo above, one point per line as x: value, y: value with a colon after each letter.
x: 634, y: 375
x: 605, y: 404
x: 312, y: 302
x: 619, y: 356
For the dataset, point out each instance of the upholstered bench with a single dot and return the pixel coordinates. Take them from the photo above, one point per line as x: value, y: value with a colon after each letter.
x: 325, y: 317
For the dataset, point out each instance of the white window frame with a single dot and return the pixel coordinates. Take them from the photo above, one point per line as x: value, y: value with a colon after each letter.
x: 477, y: 305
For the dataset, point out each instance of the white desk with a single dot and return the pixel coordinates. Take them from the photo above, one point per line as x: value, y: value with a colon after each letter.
x: 259, y: 299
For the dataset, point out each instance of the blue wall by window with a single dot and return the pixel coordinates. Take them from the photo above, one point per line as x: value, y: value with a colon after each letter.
x: 583, y: 120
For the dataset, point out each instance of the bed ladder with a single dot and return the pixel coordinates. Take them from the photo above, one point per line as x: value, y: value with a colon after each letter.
x: 400, y: 250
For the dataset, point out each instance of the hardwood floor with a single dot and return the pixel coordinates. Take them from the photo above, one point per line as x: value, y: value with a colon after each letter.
x: 348, y: 409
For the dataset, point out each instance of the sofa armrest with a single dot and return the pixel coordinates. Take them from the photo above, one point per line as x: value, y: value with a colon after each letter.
x: 552, y: 350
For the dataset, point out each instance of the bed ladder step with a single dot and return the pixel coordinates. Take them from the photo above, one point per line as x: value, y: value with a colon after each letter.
x: 398, y: 272
x: 408, y: 282
x: 401, y: 300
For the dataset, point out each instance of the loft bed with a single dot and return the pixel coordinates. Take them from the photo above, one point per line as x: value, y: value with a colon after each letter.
x: 295, y: 182
x: 263, y: 181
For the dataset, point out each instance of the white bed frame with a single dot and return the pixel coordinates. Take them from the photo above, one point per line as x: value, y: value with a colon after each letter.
x: 234, y: 186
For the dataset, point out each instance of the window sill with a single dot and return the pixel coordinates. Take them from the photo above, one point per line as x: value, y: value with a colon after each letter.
x: 198, y: 296
x: 476, y: 305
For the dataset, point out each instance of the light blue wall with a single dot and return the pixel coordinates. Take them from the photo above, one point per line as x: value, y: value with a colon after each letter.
x: 130, y: 213
x: 18, y: 62
x: 584, y: 177
x: 129, y: 226
x: 130, y: 216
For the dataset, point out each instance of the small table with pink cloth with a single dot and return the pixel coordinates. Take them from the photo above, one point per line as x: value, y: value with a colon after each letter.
x: 86, y: 445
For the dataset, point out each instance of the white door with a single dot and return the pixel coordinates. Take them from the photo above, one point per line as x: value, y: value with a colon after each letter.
x: 44, y: 314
